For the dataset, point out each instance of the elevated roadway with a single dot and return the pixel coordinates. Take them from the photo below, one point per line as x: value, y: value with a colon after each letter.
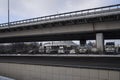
x: 77, y: 25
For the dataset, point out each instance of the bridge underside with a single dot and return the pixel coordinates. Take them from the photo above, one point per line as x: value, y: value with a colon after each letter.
x: 58, y: 37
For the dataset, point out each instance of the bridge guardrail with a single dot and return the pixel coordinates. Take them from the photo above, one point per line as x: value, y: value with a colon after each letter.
x: 66, y: 15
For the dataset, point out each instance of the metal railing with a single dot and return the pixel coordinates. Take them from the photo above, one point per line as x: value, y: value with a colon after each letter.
x: 98, y: 10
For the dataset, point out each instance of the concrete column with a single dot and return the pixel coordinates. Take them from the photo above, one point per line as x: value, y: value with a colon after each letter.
x: 100, y: 42
x: 82, y: 42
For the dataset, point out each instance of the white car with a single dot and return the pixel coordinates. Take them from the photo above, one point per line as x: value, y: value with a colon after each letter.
x: 83, y: 50
x: 72, y: 51
x: 94, y: 50
x: 61, y: 50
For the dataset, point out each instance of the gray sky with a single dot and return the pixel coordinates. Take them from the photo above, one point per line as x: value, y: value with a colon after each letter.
x: 24, y: 9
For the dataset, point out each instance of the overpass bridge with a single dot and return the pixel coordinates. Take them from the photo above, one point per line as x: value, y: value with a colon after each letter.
x: 60, y: 26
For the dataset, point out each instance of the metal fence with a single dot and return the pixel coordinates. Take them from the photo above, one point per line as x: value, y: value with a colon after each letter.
x: 98, y: 10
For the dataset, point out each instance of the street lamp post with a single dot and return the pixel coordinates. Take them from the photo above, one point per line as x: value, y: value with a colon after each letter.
x: 8, y: 14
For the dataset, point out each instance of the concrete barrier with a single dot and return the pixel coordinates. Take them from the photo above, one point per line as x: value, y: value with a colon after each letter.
x: 39, y: 72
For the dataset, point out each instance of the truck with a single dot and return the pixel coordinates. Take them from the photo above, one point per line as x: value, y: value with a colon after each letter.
x: 118, y: 49
x: 110, y: 48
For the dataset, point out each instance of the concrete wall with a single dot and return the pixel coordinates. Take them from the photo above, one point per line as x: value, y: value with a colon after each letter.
x: 38, y: 72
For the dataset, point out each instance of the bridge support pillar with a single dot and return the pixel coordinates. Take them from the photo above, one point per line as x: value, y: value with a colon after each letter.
x: 82, y: 42
x: 100, y: 42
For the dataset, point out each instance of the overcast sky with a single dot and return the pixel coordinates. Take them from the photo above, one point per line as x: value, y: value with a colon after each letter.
x: 24, y: 9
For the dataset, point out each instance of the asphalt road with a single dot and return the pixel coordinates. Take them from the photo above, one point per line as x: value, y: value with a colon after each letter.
x: 109, y: 63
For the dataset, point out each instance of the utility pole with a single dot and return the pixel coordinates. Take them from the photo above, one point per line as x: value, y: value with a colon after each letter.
x: 8, y: 14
